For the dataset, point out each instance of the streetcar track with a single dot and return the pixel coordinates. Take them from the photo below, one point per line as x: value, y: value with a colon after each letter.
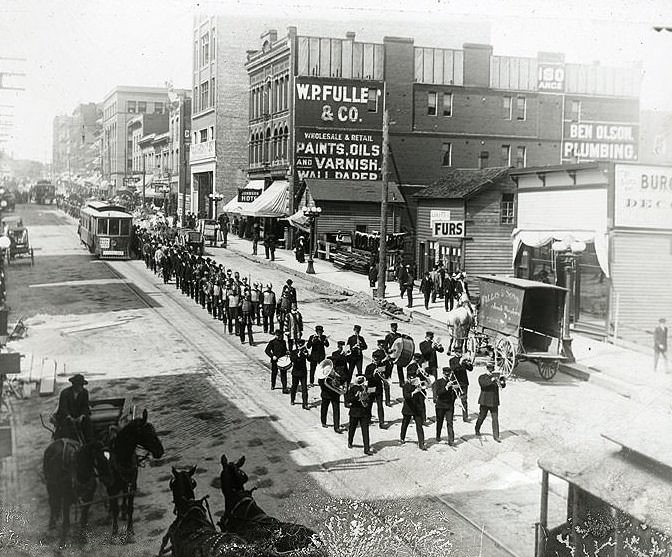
x: 183, y: 303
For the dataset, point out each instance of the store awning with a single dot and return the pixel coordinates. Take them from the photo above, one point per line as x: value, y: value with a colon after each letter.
x: 299, y: 220
x: 274, y: 202
x: 236, y: 207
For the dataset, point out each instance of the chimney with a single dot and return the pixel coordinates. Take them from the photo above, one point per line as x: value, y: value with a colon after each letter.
x: 350, y: 35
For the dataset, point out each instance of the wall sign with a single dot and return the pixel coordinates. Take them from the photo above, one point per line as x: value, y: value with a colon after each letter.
x: 643, y: 196
x: 437, y: 214
x: 550, y: 77
x: 600, y: 141
x: 248, y: 195
x: 448, y: 229
x: 501, y: 307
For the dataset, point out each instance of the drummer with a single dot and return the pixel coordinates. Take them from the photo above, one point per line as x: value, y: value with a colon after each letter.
x: 385, y: 360
x: 276, y: 349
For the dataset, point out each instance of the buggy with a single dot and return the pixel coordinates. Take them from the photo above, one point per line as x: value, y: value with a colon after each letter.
x: 19, y: 244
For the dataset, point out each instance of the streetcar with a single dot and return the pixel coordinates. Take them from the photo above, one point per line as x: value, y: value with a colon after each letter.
x: 105, y: 228
x: 44, y: 192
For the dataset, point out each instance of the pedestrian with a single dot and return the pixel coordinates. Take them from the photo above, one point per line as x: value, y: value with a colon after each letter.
x: 426, y: 287
x: 373, y: 275
x: 293, y: 327
x: 223, y: 221
x: 299, y: 357
x: 256, y: 232
x: 442, y: 279
x: 436, y: 282
x: 408, y: 286
x: 460, y: 365
x: 660, y: 344
x: 444, y: 404
x: 374, y: 374
x: 276, y: 349
x: 268, y: 308
x: 291, y: 292
x: 429, y: 350
x: 269, y: 245
x: 402, y: 278
x: 356, y: 346
x: 488, y: 400
x: 449, y: 292
x: 300, y: 250
x: 358, y: 399
x: 413, y: 409
x: 316, y: 344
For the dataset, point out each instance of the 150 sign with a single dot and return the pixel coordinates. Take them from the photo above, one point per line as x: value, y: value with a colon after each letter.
x: 551, y: 78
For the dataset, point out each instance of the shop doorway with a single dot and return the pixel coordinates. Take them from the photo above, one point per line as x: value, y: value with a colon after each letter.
x: 203, y: 181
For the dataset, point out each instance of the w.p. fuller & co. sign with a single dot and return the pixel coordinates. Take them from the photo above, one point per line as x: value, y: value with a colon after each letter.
x: 338, y: 128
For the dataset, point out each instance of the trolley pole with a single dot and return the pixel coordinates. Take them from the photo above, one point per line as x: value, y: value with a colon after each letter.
x: 382, y: 257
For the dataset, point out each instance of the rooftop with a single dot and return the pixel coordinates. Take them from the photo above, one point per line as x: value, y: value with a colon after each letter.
x: 460, y: 183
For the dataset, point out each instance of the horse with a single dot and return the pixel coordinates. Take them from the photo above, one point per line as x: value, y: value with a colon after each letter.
x: 242, y: 516
x: 70, y: 469
x: 460, y: 320
x: 193, y: 532
x: 124, y: 464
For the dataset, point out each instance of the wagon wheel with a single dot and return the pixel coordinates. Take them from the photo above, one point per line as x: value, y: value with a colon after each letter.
x: 32, y: 257
x: 505, y: 356
x: 548, y: 368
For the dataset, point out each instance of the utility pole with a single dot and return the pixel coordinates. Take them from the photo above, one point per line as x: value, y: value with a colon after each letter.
x: 382, y: 259
x: 143, y: 181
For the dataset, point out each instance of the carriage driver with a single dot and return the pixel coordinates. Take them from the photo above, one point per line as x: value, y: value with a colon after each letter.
x: 73, y: 403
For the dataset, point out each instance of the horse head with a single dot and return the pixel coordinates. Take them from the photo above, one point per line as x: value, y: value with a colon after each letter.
x: 233, y: 478
x: 182, y: 485
x: 145, y: 435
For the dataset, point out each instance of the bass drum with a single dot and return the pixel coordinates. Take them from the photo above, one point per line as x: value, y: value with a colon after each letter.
x: 284, y: 363
x: 402, y: 351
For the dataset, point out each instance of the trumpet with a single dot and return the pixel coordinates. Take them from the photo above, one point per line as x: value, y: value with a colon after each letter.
x: 381, y: 372
x: 436, y: 345
x: 421, y: 388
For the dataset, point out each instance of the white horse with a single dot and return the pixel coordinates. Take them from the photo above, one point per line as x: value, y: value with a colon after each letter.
x: 459, y: 322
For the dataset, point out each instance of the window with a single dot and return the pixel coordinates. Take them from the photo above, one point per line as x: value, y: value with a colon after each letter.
x: 102, y: 226
x: 131, y: 106
x: 575, y: 114
x: 521, y: 156
x: 507, y: 208
x: 212, y: 91
x: 447, y: 154
x: 213, y: 50
x: 204, y: 135
x: 195, y: 55
x: 447, y: 104
x: 431, y: 103
x: 142, y: 106
x: 205, y: 89
x: 125, y: 227
x: 194, y: 102
x: 158, y: 108
x: 506, y: 155
x: 521, y: 108
x: 483, y: 157
x: 373, y: 100
x: 507, y: 105
x: 114, y: 227
x: 205, y: 49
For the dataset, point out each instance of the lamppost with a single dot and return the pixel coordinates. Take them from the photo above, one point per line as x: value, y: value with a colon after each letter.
x: 569, y: 252
x: 165, y: 190
x: 311, y: 213
x: 215, y: 198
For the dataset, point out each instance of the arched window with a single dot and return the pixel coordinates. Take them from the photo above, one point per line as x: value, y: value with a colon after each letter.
x: 285, y: 143
x: 276, y: 145
x: 267, y: 146
x: 251, y: 150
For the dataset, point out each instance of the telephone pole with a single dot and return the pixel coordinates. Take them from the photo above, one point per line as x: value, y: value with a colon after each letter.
x: 382, y: 259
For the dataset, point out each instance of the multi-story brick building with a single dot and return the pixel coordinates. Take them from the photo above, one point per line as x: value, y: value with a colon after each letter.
x: 74, y: 140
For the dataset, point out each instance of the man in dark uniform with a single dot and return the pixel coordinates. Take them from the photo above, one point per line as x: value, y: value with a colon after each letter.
x: 276, y: 349
x: 233, y: 300
x: 374, y: 376
x: 246, y: 318
x: 255, y: 298
x: 356, y: 346
x: 460, y: 366
x: 299, y: 358
x: 390, y: 337
x: 489, y: 399
x: 73, y: 404
x: 360, y: 412
x: 330, y: 397
x: 268, y: 308
x: 316, y: 344
x: 291, y: 292
x: 449, y: 291
x: 382, y: 353
x: 413, y: 409
x: 444, y: 404
x: 428, y: 349
x: 340, y: 360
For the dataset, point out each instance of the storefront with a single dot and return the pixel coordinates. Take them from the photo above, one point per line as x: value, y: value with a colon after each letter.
x: 465, y: 220
x: 604, y: 231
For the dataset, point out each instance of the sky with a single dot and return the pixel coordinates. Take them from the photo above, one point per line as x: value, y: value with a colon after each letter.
x: 78, y: 50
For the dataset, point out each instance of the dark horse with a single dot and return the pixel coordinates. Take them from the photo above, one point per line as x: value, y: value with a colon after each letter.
x: 193, y: 532
x: 70, y: 469
x: 125, y: 462
x: 243, y: 516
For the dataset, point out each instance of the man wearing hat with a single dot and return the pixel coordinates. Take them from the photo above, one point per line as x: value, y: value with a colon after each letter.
x: 255, y: 298
x: 359, y: 401
x: 356, y: 346
x: 449, y: 291
x: 293, y: 326
x: 276, y: 349
x: 429, y: 349
x: 381, y: 352
x: 410, y: 282
x: 299, y: 372
x: 444, y: 404
x: 73, y: 403
x: 460, y: 365
x: 291, y: 291
x: 268, y: 308
x: 374, y: 374
x: 413, y: 409
x: 488, y: 401
x: 390, y: 337
x: 340, y: 360
x: 316, y: 344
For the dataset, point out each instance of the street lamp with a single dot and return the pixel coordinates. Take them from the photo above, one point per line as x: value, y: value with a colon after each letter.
x: 215, y: 198
x: 311, y: 213
x: 165, y: 190
x: 569, y: 252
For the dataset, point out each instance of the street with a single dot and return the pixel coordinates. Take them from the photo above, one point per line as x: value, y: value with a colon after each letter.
x: 207, y: 395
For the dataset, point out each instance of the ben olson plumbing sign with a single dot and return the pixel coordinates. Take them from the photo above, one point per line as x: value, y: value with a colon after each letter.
x: 643, y: 196
x: 338, y: 127
x: 600, y: 141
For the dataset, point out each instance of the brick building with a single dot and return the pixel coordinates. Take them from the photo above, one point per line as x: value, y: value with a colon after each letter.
x: 74, y: 141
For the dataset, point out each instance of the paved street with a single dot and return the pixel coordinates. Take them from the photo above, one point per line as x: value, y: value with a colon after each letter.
x: 207, y: 394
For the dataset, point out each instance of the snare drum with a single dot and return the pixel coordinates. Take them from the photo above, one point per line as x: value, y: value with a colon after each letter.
x: 402, y: 350
x: 284, y: 363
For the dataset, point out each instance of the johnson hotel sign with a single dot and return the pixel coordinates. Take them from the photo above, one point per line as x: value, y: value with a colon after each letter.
x: 338, y: 127
x: 643, y: 196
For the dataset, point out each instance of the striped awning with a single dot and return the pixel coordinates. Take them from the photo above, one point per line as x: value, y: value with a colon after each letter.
x: 273, y: 202
x: 236, y: 207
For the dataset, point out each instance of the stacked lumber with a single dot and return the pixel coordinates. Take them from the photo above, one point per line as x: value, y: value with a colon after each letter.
x: 352, y: 261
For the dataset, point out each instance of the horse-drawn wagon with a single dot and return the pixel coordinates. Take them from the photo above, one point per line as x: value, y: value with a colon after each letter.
x: 106, y: 415
x: 520, y: 320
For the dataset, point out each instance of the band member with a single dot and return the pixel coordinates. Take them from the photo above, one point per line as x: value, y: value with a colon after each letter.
x: 276, y: 349
x: 73, y: 403
x: 414, y: 408
x: 246, y: 316
x: 390, y: 337
x: 388, y: 369
x: 429, y: 349
x: 291, y: 292
x: 268, y: 308
x: 233, y: 299
x: 356, y: 347
x: 340, y: 360
x: 293, y: 326
x: 255, y: 298
x: 357, y: 398
x: 283, y: 308
x: 299, y: 357
x: 414, y: 369
x: 316, y: 344
x: 460, y: 366
x: 374, y: 376
x: 444, y: 404
x: 488, y: 401
x: 330, y: 396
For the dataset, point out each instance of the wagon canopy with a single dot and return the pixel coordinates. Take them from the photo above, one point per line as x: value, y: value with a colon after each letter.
x: 507, y: 304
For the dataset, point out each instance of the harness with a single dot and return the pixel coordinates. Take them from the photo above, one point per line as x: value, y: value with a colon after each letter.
x: 195, y: 505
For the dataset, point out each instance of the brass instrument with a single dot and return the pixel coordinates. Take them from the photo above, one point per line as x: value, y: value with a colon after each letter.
x: 381, y: 371
x: 420, y: 387
x: 436, y: 345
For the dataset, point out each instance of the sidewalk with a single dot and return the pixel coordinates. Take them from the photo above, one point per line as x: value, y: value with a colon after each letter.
x: 625, y: 371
